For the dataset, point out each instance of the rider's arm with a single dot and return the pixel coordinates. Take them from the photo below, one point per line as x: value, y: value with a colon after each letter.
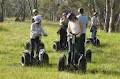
x: 68, y: 29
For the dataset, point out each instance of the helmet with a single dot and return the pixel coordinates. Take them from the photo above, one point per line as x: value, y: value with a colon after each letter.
x: 95, y: 13
x: 64, y: 14
x: 37, y: 18
x: 81, y: 10
x: 34, y: 10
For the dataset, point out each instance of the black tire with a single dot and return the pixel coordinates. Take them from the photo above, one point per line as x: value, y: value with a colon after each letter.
x: 28, y: 45
x: 42, y: 46
x: 97, y: 42
x: 82, y: 63
x: 61, y: 63
x: 45, y: 58
x: 56, y: 45
x: 88, y: 55
x: 25, y: 59
x: 88, y: 40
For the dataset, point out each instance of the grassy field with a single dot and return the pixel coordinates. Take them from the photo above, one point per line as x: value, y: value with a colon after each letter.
x: 13, y: 35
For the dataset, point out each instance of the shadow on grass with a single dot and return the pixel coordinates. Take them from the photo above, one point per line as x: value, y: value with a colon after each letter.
x: 3, y: 29
x: 102, y: 71
x: 103, y: 45
x: 35, y: 65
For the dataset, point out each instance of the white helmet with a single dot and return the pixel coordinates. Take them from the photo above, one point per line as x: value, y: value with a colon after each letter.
x: 37, y: 18
x: 34, y: 10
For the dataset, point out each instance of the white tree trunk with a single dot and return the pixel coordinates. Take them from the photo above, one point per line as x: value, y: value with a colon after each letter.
x: 107, y: 16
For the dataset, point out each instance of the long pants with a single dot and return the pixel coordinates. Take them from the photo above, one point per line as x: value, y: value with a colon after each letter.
x: 82, y: 43
x: 63, y: 38
x: 79, y: 46
x: 93, y: 32
x: 35, y: 43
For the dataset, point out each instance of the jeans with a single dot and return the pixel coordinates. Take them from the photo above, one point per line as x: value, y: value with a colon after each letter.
x: 93, y: 32
x: 35, y: 44
x: 63, y: 38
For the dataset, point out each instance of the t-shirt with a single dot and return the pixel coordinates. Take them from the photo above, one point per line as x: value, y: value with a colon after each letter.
x: 74, y: 27
x: 36, y: 30
x: 84, y: 20
x: 94, y: 21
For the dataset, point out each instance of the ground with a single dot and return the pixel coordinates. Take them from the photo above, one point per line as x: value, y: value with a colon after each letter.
x: 13, y: 35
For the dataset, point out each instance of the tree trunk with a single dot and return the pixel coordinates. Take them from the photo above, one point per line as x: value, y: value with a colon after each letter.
x: 2, y: 11
x: 29, y: 3
x: 112, y: 16
x: 107, y: 16
x: 21, y: 14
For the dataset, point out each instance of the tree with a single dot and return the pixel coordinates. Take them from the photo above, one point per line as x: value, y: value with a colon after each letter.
x: 115, y: 10
x: 107, y: 16
x: 20, y: 15
x: 2, y: 10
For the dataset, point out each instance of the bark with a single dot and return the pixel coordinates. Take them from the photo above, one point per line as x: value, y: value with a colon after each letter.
x: 2, y: 11
x: 107, y: 16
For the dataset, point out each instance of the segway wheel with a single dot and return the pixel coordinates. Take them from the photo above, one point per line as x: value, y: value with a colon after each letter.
x: 97, y: 42
x: 25, y: 59
x: 88, y: 55
x: 61, y: 63
x: 56, y: 46
x: 45, y: 58
x: 42, y: 46
x: 28, y: 45
x: 89, y: 40
x: 82, y: 63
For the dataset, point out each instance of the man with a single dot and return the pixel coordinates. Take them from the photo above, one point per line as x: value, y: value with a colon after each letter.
x: 84, y: 20
x: 36, y: 31
x: 94, y: 24
x: 62, y: 31
x: 35, y: 13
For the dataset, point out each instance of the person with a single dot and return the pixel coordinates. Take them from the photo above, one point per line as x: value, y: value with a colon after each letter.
x: 94, y: 24
x: 84, y: 20
x: 35, y: 13
x: 36, y: 31
x: 62, y: 31
x: 74, y: 27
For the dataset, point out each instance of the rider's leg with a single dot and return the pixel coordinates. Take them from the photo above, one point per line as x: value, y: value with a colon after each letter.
x: 82, y: 43
x: 32, y: 48
x: 38, y: 46
x: 70, y: 49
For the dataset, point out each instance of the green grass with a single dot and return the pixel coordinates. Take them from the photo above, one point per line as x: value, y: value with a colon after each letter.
x: 13, y: 35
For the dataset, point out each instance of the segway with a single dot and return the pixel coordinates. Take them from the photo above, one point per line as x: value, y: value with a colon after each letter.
x: 57, y: 46
x: 28, y: 45
x: 88, y: 55
x: 95, y: 41
x: 76, y: 60
x: 26, y: 59
x: 60, y: 44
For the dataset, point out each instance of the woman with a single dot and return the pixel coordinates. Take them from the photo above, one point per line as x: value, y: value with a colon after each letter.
x: 74, y: 27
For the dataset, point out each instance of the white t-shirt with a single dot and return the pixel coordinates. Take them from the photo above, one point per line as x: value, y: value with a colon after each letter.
x: 84, y: 20
x: 36, y: 30
x: 94, y: 21
x: 74, y: 27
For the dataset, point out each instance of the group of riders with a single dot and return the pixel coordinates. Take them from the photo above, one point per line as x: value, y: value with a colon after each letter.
x: 69, y: 24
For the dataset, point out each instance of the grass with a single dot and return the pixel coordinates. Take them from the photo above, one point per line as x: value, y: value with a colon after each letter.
x: 13, y: 35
